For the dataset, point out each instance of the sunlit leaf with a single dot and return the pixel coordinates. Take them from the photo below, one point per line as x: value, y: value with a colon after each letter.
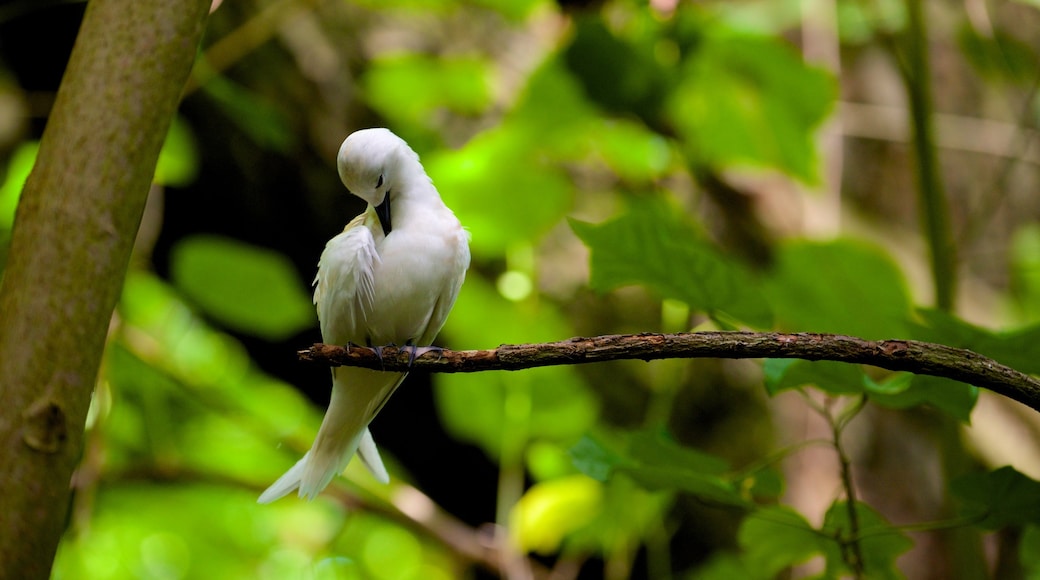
x: 245, y: 287
x: 501, y: 191
x: 178, y: 158
x: 749, y: 100
x: 551, y: 510
x: 410, y: 89
x: 654, y: 245
x: 18, y: 168
x: 1025, y: 271
x: 999, y: 498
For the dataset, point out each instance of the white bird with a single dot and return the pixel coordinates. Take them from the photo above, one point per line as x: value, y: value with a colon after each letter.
x: 390, y: 277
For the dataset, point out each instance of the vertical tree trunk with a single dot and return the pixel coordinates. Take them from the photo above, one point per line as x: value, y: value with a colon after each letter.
x: 70, y: 246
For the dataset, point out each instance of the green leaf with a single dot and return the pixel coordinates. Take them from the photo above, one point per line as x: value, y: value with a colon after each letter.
x: 999, y: 498
x: 249, y: 289
x: 655, y: 246
x: 178, y: 160
x: 879, y: 543
x: 832, y: 377
x: 749, y: 100
x: 411, y: 89
x: 892, y: 384
x: 1025, y: 272
x: 1019, y: 348
x: 501, y: 190
x: 658, y: 464
x: 255, y: 115
x: 953, y: 398
x: 998, y: 55
x: 615, y: 74
x: 594, y: 459
x: 776, y: 538
x: 551, y: 510
x: 844, y: 287
x: 1029, y: 551
x: 18, y: 168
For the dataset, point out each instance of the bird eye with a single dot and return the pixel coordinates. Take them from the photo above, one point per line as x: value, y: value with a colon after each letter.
x: 380, y: 182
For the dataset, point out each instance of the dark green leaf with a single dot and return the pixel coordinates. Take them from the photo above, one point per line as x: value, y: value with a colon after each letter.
x: 879, y: 543
x: 954, y: 398
x: 655, y: 246
x: 594, y: 459
x: 776, y: 538
x: 255, y: 115
x: 998, y: 55
x: 615, y: 74
x: 833, y: 377
x: 999, y: 498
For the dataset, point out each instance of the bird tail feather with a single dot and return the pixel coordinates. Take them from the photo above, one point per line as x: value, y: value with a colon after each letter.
x: 343, y: 431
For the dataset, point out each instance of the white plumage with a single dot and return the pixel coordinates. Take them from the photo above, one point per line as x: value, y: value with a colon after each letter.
x: 390, y: 277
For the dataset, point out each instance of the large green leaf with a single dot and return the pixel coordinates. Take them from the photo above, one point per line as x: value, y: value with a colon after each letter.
x: 249, y: 289
x: 879, y: 543
x: 844, y: 286
x: 999, y: 498
x: 617, y: 75
x: 749, y: 100
x: 776, y: 538
x: 410, y: 89
x: 501, y: 190
x: 655, y: 246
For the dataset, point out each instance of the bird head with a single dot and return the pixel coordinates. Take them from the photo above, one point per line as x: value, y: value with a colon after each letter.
x: 368, y: 163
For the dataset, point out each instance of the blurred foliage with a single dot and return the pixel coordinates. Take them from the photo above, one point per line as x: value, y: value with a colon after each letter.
x: 578, y: 142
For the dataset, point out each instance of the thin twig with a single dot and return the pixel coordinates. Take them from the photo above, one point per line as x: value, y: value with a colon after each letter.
x: 913, y: 356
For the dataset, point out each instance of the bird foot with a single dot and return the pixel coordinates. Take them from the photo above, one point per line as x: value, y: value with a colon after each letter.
x: 417, y: 351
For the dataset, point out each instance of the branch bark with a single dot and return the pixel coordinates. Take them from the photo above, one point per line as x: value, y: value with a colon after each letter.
x: 897, y: 355
x: 70, y: 245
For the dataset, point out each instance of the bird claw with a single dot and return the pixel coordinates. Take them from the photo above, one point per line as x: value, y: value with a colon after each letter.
x: 417, y: 351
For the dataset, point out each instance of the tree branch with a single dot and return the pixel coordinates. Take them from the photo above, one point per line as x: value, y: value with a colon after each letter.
x: 914, y: 356
x: 70, y: 245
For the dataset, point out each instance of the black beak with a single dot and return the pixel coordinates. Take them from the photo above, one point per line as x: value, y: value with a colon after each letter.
x: 383, y: 212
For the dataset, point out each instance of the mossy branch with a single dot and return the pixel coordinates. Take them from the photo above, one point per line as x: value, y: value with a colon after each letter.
x: 70, y: 245
x: 913, y: 356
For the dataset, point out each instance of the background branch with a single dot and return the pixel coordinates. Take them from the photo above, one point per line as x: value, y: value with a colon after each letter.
x: 913, y: 356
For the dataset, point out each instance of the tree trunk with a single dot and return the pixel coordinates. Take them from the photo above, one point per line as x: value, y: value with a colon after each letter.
x: 70, y: 245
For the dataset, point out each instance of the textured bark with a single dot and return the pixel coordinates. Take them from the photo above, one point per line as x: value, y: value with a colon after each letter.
x: 898, y: 355
x: 70, y: 245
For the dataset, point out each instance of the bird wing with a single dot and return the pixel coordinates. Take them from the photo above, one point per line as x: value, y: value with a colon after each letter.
x: 344, y: 286
x: 450, y: 292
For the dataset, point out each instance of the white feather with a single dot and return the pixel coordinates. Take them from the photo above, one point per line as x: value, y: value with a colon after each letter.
x: 377, y: 289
